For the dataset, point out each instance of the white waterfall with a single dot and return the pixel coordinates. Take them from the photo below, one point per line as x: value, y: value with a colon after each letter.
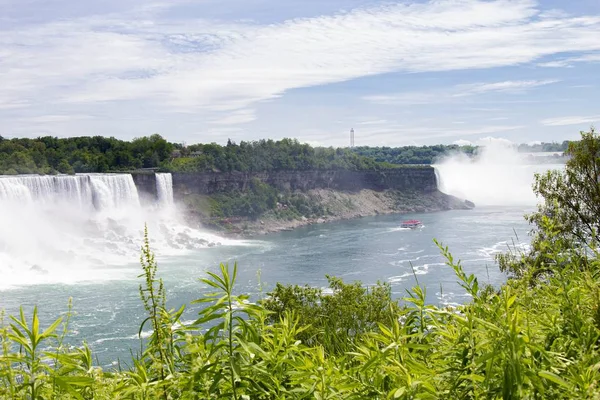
x: 101, y: 191
x: 114, y: 191
x: 88, y: 227
x: 164, y: 189
x: 46, y: 189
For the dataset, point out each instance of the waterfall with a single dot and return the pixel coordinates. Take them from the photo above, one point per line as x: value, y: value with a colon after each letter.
x: 114, y: 191
x: 30, y: 189
x: 164, y: 189
x: 497, y: 176
x: 101, y: 191
x: 86, y: 227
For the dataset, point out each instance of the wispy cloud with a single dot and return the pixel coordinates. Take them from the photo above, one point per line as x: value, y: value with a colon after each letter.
x: 405, y: 134
x: 375, y: 122
x: 501, y: 87
x: 457, y: 93
x: 571, y: 120
x: 570, y: 62
x: 107, y: 58
x: 148, y: 61
x: 235, y: 117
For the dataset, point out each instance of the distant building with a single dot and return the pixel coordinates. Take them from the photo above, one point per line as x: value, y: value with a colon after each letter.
x: 176, y: 154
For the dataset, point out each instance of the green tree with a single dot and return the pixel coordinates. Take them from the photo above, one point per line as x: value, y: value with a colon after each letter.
x: 568, y: 218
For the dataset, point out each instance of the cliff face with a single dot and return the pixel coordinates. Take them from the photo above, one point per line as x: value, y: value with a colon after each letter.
x: 306, y: 197
x: 405, y: 179
x: 145, y: 182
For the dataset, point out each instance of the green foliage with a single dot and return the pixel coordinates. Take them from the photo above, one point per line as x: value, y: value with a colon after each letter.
x: 296, y: 205
x: 516, y: 342
x: 567, y: 220
x: 258, y: 198
x: 432, y: 154
x: 268, y: 155
x: 48, y: 155
x: 412, y: 154
x: 553, y: 147
x: 334, y: 320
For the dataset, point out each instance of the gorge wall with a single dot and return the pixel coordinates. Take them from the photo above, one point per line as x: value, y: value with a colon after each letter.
x: 303, y: 197
x: 419, y: 179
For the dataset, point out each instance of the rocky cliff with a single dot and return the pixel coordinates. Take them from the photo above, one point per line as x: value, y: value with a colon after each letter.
x: 305, y: 197
x: 419, y: 179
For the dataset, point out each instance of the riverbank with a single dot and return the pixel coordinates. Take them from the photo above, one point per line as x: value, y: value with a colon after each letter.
x: 335, y: 205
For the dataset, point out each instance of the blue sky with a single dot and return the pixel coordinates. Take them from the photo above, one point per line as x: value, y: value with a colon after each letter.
x: 399, y: 73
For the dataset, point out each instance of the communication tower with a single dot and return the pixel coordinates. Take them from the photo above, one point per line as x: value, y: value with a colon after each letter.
x: 352, y: 138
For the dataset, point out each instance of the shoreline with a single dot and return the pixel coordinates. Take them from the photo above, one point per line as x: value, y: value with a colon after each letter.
x: 342, y: 206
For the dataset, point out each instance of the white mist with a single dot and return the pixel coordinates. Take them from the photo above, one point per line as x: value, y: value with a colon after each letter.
x: 497, y: 176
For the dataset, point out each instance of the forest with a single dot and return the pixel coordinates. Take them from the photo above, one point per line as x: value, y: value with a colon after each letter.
x: 432, y: 154
x: 413, y: 154
x: 535, y: 337
x: 51, y: 155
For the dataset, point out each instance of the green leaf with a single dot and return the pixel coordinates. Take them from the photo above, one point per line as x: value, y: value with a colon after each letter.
x: 552, y: 377
x: 399, y: 392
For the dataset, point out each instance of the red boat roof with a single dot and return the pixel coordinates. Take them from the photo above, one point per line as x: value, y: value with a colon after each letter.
x: 412, y: 221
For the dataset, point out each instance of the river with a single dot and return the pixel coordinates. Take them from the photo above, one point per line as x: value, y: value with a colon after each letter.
x: 79, y: 237
x: 108, y: 313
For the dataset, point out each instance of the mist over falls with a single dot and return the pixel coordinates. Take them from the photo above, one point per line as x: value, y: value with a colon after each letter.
x: 69, y: 229
x: 497, y: 176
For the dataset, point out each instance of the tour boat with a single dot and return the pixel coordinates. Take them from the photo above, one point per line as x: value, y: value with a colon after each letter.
x: 411, y: 223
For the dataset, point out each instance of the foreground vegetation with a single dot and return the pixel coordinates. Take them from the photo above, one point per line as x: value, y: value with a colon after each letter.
x: 536, y: 337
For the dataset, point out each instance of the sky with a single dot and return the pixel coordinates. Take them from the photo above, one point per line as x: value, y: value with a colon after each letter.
x: 397, y: 72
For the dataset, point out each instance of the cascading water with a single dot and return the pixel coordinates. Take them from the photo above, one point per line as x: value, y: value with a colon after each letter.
x: 498, y: 176
x: 46, y: 189
x: 164, y: 189
x: 68, y: 229
x: 114, y: 191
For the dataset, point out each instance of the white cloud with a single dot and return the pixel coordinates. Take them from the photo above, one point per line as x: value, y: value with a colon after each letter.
x: 456, y: 93
x: 148, y: 64
x: 571, y: 120
x: 506, y: 86
x: 569, y: 62
x: 235, y: 117
x: 404, y: 133
x: 374, y: 122
x: 58, y: 118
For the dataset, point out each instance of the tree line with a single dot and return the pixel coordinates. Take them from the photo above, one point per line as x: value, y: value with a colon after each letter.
x: 432, y: 154
x: 412, y: 154
x: 51, y: 155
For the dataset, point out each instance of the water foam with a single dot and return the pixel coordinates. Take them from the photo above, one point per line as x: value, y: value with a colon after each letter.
x: 71, y: 229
